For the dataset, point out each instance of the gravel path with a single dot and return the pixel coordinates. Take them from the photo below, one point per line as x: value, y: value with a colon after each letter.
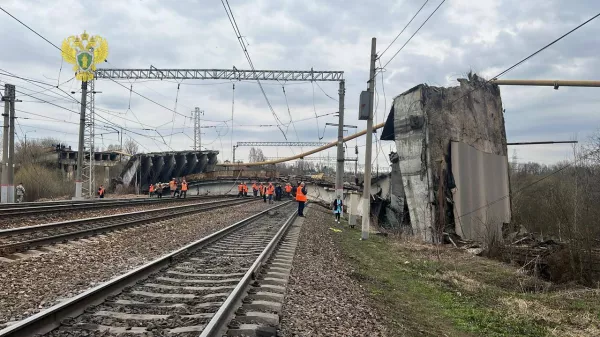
x: 29, y: 285
x: 322, y: 299
x: 29, y: 220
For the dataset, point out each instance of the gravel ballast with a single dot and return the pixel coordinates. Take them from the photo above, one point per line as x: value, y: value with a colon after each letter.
x: 322, y: 299
x: 30, y: 285
x: 73, y: 214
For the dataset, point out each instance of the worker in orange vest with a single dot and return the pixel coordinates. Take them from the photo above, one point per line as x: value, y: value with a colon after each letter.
x: 270, y: 192
x: 261, y: 189
x: 245, y: 189
x: 150, y: 190
x: 184, y: 188
x: 288, y: 190
x: 254, y: 189
x: 173, y: 187
x: 101, y: 192
x: 240, y: 190
x: 301, y: 199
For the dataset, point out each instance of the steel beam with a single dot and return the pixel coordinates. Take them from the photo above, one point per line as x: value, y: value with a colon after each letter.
x: 220, y: 74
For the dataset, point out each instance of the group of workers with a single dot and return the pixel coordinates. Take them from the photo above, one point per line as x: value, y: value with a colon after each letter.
x: 266, y: 191
x: 174, y: 187
x: 270, y: 192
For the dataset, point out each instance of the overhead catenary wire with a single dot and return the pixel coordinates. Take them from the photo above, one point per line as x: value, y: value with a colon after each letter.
x: 238, y: 34
x: 530, y: 56
x: 290, y: 115
x: 409, y: 39
x: 403, y: 29
x: 31, y: 29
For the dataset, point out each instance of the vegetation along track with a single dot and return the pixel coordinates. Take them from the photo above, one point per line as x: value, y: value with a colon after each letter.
x: 35, y: 208
x: 189, y: 292
x: 23, y: 238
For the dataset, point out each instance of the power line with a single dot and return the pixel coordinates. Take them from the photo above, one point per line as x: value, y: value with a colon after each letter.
x: 410, y: 38
x: 238, y: 34
x: 533, y: 183
x: 55, y: 46
x: 26, y: 26
x: 317, y: 83
x: 529, y: 57
x: 317, y: 118
x: 403, y: 29
x: 148, y: 99
x: 290, y: 114
x: 546, y: 46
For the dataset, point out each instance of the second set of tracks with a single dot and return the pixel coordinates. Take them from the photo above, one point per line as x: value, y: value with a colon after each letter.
x: 20, y: 239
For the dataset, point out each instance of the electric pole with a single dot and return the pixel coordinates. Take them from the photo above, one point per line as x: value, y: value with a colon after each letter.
x: 356, y: 164
x: 11, y: 149
x: 339, y: 172
x: 80, y: 155
x: 197, y: 129
x: 366, y: 206
x: 8, y: 98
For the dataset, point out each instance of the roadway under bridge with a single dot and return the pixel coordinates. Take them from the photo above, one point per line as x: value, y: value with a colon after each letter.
x: 150, y: 168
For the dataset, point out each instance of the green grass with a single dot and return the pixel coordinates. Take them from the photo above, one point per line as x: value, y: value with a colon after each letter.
x: 422, y: 293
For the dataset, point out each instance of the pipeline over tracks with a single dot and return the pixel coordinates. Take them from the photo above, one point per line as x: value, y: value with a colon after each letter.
x: 23, y: 238
x: 51, y: 207
x: 191, y: 291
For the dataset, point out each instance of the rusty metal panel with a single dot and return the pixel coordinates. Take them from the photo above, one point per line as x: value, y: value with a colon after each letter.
x: 482, y: 192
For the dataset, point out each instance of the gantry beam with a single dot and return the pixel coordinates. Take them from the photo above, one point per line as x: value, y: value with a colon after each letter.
x: 304, y: 154
x: 280, y: 144
x: 220, y: 74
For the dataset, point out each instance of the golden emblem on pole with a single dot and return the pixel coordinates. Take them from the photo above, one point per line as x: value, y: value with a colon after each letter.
x: 84, y: 52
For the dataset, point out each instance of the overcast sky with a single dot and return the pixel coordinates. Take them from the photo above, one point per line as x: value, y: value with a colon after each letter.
x: 485, y: 36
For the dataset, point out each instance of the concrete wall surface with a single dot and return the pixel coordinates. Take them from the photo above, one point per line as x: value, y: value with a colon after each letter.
x: 426, y: 120
x: 481, y: 196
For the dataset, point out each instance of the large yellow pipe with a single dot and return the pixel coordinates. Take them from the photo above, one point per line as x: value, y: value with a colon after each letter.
x: 305, y: 154
x: 549, y: 83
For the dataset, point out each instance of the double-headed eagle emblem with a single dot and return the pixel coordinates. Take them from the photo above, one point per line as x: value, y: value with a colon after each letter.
x: 84, y: 52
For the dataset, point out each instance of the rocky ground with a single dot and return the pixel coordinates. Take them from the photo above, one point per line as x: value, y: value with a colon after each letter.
x: 65, y: 215
x: 29, y: 285
x: 322, y: 299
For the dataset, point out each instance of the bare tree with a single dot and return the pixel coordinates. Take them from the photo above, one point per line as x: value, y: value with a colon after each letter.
x: 260, y: 156
x: 113, y: 147
x: 130, y: 147
x: 256, y: 155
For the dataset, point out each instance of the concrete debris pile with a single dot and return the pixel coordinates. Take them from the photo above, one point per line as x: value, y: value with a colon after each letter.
x: 451, y: 161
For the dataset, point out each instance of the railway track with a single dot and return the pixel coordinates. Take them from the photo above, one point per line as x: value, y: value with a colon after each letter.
x: 194, y: 291
x: 12, y: 210
x: 23, y: 238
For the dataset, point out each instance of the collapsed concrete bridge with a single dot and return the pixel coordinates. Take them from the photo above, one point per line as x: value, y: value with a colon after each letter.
x: 150, y: 168
x: 452, y: 160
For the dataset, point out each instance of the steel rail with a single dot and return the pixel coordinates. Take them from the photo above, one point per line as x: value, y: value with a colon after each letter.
x: 41, y: 209
x: 170, y: 212
x: 223, y: 316
x: 50, y: 318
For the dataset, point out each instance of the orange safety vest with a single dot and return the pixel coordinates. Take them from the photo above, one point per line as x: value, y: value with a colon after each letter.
x: 151, y: 189
x: 254, y: 187
x: 172, y: 185
x: 270, y: 190
x: 288, y: 188
x: 240, y: 188
x: 245, y: 188
x: 299, y: 195
x: 184, y: 186
x: 261, y: 188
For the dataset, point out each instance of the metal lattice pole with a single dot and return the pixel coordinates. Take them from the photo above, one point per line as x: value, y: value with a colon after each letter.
x: 197, y: 129
x: 89, y: 176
